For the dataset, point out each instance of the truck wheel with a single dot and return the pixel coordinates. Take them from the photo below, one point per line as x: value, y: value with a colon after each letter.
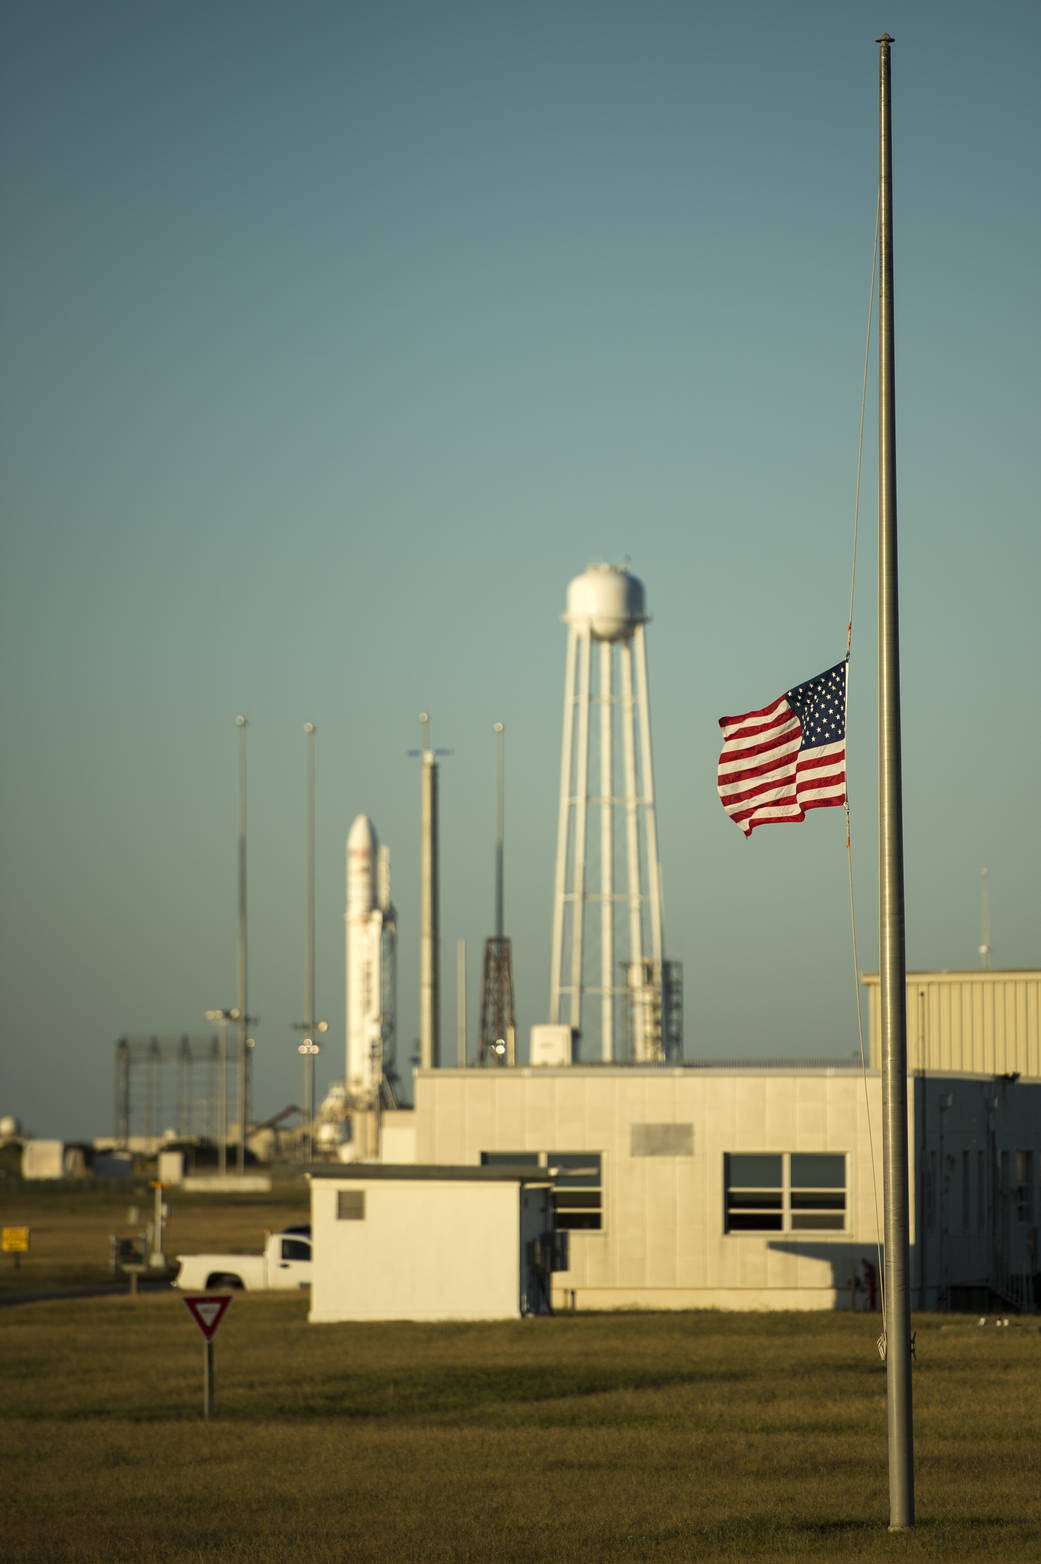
x: 220, y: 1279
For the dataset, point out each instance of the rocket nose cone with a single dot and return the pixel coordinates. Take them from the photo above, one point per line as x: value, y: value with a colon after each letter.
x: 361, y: 867
x: 362, y: 835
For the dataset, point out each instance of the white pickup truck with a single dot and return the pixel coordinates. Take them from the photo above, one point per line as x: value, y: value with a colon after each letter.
x: 285, y: 1263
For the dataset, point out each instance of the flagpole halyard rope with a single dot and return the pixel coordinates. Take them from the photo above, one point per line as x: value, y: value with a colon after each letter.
x: 849, y: 852
x: 864, y: 1070
x: 860, y: 441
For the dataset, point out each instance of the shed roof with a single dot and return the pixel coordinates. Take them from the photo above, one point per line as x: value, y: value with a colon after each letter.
x: 418, y: 1171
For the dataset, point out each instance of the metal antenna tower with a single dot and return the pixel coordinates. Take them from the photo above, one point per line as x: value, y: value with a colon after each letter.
x: 498, y: 1021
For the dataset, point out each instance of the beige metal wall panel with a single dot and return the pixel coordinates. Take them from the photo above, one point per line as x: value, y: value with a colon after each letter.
x: 750, y: 1105
x: 511, y: 1128
x: 980, y: 1023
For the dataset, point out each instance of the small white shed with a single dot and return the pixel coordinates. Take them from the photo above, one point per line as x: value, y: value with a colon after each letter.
x: 411, y: 1242
x: 45, y: 1159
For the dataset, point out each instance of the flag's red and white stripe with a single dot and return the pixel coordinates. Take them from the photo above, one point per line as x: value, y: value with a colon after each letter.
x: 767, y: 778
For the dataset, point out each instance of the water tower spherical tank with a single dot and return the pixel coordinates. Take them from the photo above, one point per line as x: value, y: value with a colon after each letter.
x: 607, y: 599
x: 9, y: 1127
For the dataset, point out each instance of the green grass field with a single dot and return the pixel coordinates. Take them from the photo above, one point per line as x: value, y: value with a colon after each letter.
x: 588, y: 1437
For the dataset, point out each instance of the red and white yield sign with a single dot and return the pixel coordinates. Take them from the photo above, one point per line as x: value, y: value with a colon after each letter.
x: 208, y: 1311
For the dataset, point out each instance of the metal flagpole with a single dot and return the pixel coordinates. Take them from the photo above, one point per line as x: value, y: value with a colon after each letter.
x: 892, y: 967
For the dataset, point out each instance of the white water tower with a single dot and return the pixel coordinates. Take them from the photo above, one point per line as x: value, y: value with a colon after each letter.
x: 609, y: 980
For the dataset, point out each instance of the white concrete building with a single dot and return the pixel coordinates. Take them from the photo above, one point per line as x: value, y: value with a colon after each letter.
x: 708, y: 1187
x: 751, y: 1187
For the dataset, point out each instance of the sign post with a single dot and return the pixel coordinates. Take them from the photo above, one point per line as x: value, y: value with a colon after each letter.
x: 207, y: 1310
x: 158, y: 1255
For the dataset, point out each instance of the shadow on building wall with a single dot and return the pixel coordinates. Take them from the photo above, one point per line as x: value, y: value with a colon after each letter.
x: 854, y: 1269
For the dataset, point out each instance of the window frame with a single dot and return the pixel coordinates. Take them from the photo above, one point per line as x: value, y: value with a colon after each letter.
x: 790, y: 1207
x: 573, y: 1197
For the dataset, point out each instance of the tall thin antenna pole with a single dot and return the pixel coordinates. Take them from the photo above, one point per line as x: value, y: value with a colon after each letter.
x: 429, y: 930
x: 892, y: 962
x: 308, y: 1048
x: 243, y: 1017
x: 984, y: 951
x: 310, y: 730
x: 500, y: 731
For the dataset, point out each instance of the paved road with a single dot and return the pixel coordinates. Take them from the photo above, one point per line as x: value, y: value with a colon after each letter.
x: 108, y: 1290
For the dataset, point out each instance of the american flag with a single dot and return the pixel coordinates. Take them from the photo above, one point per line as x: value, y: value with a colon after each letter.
x: 789, y: 757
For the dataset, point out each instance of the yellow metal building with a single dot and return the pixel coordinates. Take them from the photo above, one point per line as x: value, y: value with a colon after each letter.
x: 981, y: 1022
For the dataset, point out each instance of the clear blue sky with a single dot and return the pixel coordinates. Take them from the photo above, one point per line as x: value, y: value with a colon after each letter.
x: 339, y: 336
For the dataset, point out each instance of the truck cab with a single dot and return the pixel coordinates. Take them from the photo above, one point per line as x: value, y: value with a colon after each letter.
x: 285, y: 1264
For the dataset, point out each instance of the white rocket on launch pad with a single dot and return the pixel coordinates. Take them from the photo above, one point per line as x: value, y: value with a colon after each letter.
x: 370, y: 965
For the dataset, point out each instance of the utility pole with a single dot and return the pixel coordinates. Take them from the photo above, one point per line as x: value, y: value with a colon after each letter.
x: 308, y: 1048
x: 429, y: 898
x: 243, y: 1016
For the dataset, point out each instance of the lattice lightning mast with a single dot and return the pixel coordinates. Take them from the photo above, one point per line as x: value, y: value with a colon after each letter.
x: 498, y: 1021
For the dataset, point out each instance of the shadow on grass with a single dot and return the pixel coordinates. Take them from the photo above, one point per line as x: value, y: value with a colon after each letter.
x: 445, y: 1390
x: 990, y: 1537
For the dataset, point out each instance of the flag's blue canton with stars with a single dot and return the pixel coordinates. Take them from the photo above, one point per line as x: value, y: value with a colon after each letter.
x: 787, y: 758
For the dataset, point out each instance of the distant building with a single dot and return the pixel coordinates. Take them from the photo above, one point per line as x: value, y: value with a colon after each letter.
x: 983, y: 1022
x: 43, y: 1159
x: 760, y: 1186
x: 752, y: 1188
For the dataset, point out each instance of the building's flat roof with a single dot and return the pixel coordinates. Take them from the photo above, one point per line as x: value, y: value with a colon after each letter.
x: 963, y: 975
x: 681, y: 1067
x: 416, y: 1171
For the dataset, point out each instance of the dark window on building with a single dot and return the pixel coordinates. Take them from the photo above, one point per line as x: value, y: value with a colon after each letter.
x: 350, y: 1205
x: 818, y: 1190
x: 1024, y: 1186
x: 754, y: 1193
x: 577, y: 1183
x: 780, y: 1192
x: 577, y: 1188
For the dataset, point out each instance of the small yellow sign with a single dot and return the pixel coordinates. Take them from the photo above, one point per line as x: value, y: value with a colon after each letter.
x: 16, y: 1240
